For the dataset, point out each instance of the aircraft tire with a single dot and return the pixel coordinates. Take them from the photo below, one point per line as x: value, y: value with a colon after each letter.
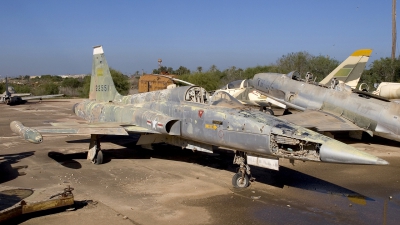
x: 237, y: 178
x: 99, y: 158
x: 267, y: 110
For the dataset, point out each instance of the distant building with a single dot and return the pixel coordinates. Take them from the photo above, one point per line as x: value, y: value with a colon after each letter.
x: 73, y: 76
x: 64, y: 76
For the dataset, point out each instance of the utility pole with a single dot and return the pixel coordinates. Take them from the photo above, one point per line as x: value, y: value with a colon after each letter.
x: 394, y: 29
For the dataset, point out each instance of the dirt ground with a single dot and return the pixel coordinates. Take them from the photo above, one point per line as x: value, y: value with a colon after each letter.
x: 169, y: 185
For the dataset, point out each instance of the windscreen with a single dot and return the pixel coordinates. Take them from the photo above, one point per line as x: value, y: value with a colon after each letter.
x: 223, y: 99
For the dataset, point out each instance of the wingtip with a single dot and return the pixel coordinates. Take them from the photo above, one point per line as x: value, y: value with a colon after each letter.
x: 362, y: 52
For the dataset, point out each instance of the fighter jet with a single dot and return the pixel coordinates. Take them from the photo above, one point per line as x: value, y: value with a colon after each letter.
x: 337, y: 108
x: 10, y: 97
x: 188, y: 117
x: 348, y: 72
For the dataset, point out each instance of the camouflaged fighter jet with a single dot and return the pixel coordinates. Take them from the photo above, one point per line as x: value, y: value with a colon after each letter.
x: 10, y: 97
x: 187, y: 117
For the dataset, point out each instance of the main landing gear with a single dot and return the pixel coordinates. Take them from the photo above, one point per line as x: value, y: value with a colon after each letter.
x: 242, y: 178
x: 95, y: 155
x: 266, y: 110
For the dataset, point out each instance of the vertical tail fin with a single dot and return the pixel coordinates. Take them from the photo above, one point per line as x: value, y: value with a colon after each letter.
x: 102, y: 87
x: 350, y: 70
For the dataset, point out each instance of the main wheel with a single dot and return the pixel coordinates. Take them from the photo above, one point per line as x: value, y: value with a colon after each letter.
x: 239, y: 182
x: 99, y: 158
x: 267, y: 110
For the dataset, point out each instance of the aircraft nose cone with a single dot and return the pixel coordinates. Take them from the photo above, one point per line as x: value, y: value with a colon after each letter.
x: 382, y: 162
x: 338, y: 152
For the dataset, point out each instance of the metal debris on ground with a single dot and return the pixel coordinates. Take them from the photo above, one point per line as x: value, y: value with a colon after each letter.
x: 66, y: 198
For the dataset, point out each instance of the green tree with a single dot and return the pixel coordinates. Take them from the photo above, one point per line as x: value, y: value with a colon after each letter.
x: 121, y: 83
x: 208, y: 80
x: 86, y: 86
x: 320, y: 66
x: 213, y: 68
x: 304, y: 62
x: 382, y: 70
x: 249, y: 73
x: 182, y: 70
x: 298, y: 61
x: 21, y: 88
x: 71, y: 83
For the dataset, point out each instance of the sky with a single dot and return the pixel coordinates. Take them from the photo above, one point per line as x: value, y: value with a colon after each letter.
x: 57, y: 37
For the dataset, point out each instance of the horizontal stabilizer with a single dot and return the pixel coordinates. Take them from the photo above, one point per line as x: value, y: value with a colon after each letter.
x: 41, y: 96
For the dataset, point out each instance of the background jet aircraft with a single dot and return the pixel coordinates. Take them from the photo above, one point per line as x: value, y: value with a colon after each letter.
x: 338, y: 108
x: 10, y: 97
x: 184, y: 117
x: 348, y: 72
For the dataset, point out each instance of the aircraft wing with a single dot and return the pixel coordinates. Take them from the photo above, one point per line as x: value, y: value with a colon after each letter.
x: 34, y: 134
x: 39, y: 96
x: 92, y: 128
x: 21, y: 94
x: 321, y: 121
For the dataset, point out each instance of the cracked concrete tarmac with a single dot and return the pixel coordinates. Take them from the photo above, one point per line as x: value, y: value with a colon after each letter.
x: 169, y: 185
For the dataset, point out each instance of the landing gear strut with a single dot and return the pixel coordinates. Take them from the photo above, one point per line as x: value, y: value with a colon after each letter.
x: 241, y: 178
x: 95, y: 155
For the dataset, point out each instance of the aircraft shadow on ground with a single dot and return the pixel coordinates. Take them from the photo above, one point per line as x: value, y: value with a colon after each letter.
x: 11, y: 197
x: 7, y: 171
x: 221, y: 159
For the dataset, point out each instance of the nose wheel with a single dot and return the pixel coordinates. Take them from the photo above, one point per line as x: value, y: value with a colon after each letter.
x: 99, y: 158
x: 242, y: 178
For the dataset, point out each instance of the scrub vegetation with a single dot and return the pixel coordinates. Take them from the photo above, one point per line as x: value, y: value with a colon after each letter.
x: 382, y: 70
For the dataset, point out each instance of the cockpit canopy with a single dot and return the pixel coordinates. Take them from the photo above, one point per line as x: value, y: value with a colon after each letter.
x: 236, y: 84
x: 294, y: 75
x: 224, y: 99
x: 196, y: 94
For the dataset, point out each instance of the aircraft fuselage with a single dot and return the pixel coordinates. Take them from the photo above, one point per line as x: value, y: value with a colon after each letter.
x: 376, y: 115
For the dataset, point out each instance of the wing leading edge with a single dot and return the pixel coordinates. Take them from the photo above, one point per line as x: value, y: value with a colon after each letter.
x: 321, y: 121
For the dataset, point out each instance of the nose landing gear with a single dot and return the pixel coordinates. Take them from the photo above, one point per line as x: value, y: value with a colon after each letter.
x: 242, y: 178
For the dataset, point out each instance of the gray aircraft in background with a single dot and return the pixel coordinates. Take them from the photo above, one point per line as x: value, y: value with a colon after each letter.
x: 11, y: 97
x: 348, y: 72
x: 334, y: 108
x: 188, y: 117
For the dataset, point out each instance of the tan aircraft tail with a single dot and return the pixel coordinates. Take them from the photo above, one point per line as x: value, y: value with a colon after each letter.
x: 102, y: 88
x: 350, y: 70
